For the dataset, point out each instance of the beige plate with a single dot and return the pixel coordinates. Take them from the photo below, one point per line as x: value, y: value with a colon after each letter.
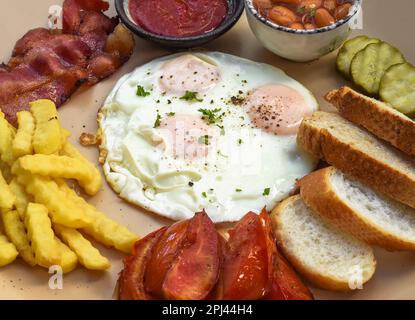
x: 386, y: 19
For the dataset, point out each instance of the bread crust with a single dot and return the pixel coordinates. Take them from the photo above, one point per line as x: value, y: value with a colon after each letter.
x: 317, y: 278
x: 318, y: 193
x: 378, y: 118
x: 379, y: 175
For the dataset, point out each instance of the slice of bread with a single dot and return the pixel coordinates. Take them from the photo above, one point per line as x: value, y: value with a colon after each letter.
x: 360, y: 154
x: 357, y: 209
x: 377, y: 117
x: 325, y: 255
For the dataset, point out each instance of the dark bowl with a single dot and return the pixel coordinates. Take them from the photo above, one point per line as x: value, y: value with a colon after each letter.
x: 236, y: 7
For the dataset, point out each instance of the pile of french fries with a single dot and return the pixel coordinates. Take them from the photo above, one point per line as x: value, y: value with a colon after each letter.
x: 44, y: 220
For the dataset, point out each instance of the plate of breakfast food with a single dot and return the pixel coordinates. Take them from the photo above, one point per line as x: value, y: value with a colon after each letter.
x: 207, y: 149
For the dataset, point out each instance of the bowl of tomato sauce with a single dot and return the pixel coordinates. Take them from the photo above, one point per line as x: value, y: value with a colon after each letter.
x: 179, y: 23
x: 302, y: 30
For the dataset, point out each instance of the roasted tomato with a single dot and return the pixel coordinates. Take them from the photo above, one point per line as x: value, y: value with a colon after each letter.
x: 164, y: 253
x: 286, y: 284
x: 132, y: 277
x: 217, y: 292
x: 246, y: 261
x: 270, y: 242
x: 195, y: 271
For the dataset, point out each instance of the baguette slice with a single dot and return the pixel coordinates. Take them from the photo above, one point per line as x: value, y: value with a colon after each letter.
x: 325, y: 255
x: 377, y: 117
x: 358, y: 210
x: 359, y: 154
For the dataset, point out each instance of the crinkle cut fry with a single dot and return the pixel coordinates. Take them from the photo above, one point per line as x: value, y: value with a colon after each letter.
x: 47, y: 137
x: 15, y: 230
x: 102, y: 228
x: 69, y: 259
x: 47, y: 192
x: 6, y: 139
x: 41, y: 235
x: 22, y: 198
x: 87, y: 254
x: 93, y: 186
x: 8, y: 252
x: 54, y: 166
x: 7, y: 198
x: 22, y: 143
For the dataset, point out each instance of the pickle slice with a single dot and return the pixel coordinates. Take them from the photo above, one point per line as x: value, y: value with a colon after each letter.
x: 349, y: 50
x: 369, y: 65
x: 397, y: 87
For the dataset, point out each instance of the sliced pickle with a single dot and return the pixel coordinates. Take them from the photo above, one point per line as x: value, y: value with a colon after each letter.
x: 349, y: 50
x: 397, y: 88
x: 369, y: 65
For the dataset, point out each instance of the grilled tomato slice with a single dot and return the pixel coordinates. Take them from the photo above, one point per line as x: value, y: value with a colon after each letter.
x: 195, y: 271
x: 247, y: 261
x: 165, y: 252
x: 132, y: 277
x: 286, y: 284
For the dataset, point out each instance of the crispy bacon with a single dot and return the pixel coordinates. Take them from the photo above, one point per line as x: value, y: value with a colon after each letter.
x: 77, y: 14
x: 94, y: 5
x: 52, y: 65
x: 58, y: 90
x: 29, y: 40
x: 96, y: 22
x: 71, y: 16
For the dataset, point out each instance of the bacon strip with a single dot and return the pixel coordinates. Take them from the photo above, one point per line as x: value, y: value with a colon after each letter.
x: 52, y: 65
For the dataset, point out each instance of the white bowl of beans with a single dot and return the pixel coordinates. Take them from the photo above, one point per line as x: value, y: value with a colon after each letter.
x: 301, y: 30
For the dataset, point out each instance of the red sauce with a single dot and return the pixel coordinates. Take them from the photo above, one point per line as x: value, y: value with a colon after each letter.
x: 178, y: 18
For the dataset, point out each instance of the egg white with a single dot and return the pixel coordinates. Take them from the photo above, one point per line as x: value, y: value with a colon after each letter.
x: 237, y: 173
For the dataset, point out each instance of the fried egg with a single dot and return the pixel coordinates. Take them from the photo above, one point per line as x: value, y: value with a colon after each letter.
x: 205, y: 131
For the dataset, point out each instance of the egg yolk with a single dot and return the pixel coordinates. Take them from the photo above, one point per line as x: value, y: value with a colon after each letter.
x: 188, y: 73
x: 187, y: 137
x: 277, y: 109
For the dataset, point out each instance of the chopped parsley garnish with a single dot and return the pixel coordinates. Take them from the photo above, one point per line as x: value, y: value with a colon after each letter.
x: 158, y: 121
x: 204, y: 139
x: 222, y: 129
x: 301, y: 10
x: 204, y: 195
x: 240, y: 141
x: 238, y: 190
x: 191, y: 96
x: 171, y: 114
x: 141, y: 92
x: 211, y: 116
x: 310, y: 12
x: 266, y: 192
